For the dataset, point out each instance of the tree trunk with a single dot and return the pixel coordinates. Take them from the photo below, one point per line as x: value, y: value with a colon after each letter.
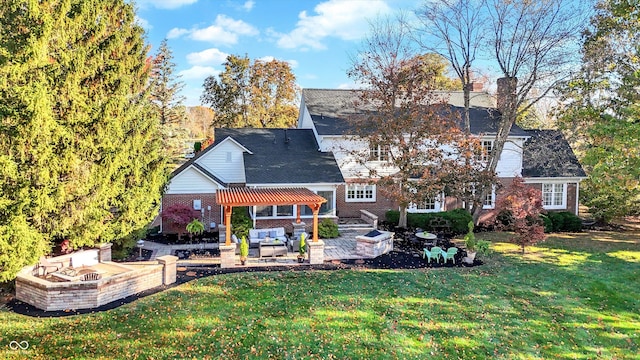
x: 402, y: 222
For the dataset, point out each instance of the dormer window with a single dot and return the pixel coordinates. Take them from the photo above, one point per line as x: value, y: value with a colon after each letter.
x: 379, y: 152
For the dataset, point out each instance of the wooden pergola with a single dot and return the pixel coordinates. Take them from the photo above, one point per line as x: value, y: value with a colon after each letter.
x: 243, y: 196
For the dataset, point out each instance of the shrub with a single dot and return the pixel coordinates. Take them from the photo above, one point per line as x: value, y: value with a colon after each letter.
x: 548, y: 224
x: 392, y: 216
x: 327, y: 229
x: 458, y: 218
x: 244, y: 247
x: 240, y: 222
x: 197, y: 146
x: 563, y: 221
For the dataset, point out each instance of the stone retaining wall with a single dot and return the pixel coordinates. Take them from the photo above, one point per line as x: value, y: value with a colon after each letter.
x: 51, y: 296
x: 371, y: 247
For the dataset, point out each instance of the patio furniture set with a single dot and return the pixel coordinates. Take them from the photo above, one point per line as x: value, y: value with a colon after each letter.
x: 272, y: 242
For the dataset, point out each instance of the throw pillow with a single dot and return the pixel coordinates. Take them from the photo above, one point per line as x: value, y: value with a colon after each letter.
x: 262, y: 234
x: 273, y: 233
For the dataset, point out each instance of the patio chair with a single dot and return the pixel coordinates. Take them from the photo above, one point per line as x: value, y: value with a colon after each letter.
x: 428, y: 255
x: 436, y: 252
x: 450, y: 255
x: 45, y: 265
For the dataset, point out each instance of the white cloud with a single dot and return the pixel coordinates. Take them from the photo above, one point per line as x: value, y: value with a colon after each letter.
x: 344, y: 19
x: 164, y: 4
x: 224, y: 30
x: 292, y: 63
x: 198, y: 72
x: 209, y: 56
x: 143, y: 23
x: 349, y: 86
x: 176, y: 33
x: 248, y: 5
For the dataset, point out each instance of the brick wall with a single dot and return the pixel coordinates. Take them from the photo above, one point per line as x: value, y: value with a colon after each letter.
x: 352, y: 209
x: 51, y: 296
x: 187, y: 199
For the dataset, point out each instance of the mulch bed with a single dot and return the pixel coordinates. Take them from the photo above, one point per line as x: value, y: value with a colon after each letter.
x: 407, y: 254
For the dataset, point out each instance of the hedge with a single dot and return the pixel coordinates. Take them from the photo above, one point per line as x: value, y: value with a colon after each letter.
x: 563, y: 221
x: 458, y: 218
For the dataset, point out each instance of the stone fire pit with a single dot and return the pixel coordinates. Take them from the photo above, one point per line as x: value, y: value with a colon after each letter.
x: 374, y: 243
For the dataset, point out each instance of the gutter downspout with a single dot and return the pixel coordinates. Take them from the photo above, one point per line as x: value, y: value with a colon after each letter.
x: 577, y: 198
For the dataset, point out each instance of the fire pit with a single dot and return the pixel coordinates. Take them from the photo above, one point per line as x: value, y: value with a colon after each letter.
x: 374, y: 243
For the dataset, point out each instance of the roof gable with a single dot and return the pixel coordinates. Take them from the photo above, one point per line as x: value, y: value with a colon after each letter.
x: 547, y: 154
x: 284, y: 156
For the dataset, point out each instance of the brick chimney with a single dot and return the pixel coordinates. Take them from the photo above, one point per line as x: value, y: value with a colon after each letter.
x: 475, y: 86
x: 506, y: 92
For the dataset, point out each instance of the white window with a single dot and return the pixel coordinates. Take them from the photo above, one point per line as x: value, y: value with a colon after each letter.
x: 429, y: 205
x: 228, y: 156
x: 490, y: 200
x: 361, y: 193
x: 554, y: 196
x: 326, y: 209
x: 379, y: 152
x: 487, y: 148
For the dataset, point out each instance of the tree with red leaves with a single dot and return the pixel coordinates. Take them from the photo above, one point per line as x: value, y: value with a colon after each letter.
x: 179, y: 215
x: 522, y: 207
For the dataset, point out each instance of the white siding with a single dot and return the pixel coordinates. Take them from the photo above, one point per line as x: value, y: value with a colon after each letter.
x: 510, y: 163
x: 304, y: 118
x: 225, y: 161
x: 191, y: 181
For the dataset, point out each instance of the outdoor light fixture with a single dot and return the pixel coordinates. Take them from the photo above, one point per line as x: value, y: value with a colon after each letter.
x: 140, y: 243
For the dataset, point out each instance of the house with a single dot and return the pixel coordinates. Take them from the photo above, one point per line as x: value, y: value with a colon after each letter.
x: 256, y: 158
x: 312, y: 156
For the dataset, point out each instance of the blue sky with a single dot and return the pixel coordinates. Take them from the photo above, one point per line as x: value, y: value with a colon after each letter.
x: 314, y: 36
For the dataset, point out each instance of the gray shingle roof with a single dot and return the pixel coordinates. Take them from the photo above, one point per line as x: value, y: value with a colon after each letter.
x: 548, y: 154
x: 278, y: 161
x: 330, y: 110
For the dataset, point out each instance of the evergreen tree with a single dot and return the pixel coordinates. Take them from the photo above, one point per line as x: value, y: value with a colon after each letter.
x: 602, y: 108
x: 79, y: 141
x: 165, y: 88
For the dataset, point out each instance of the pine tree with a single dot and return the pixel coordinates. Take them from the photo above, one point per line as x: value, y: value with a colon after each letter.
x: 165, y: 89
x: 79, y: 141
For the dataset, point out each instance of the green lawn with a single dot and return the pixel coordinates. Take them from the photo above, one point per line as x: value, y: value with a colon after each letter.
x: 574, y: 296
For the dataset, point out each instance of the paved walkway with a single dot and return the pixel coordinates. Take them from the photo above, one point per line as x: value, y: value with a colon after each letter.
x: 340, y: 248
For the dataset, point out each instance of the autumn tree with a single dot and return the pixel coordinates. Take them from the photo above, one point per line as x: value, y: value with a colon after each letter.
x: 406, y: 132
x: 199, y: 121
x: 252, y: 94
x: 519, y: 209
x: 228, y: 95
x: 273, y: 94
x: 530, y: 42
x: 80, y: 151
x: 165, y: 95
x: 602, y: 107
x: 455, y: 30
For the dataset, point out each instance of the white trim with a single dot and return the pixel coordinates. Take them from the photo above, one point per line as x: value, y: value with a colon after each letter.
x: 229, y: 138
x: 540, y: 180
x: 565, y: 189
x: 363, y: 200
x: 493, y: 200
x: 438, y: 206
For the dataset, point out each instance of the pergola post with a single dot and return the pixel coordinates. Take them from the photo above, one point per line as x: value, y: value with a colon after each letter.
x: 316, y: 210
x: 227, y: 223
x: 298, y: 212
